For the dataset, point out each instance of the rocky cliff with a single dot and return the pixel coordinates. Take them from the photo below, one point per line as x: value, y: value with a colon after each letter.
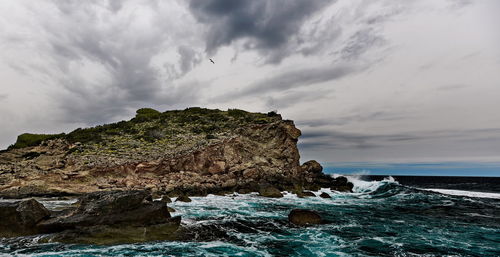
x: 194, y: 151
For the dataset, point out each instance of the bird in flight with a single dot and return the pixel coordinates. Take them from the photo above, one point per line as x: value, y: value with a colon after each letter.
x: 212, y: 61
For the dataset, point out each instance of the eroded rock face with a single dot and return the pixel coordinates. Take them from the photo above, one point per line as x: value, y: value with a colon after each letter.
x: 132, y: 208
x: 235, y: 160
x: 303, y: 217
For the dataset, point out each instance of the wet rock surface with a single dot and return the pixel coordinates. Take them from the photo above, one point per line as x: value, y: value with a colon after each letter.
x: 325, y: 195
x: 98, y: 218
x: 304, y: 217
x: 269, y: 191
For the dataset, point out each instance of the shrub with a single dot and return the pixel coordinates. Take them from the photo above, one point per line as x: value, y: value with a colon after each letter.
x: 85, y: 135
x: 272, y: 114
x: 146, y: 114
x: 236, y: 113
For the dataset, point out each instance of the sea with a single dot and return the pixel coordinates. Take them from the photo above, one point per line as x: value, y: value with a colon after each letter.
x: 385, y: 216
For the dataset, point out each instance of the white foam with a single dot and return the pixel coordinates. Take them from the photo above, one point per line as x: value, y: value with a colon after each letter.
x: 361, y: 186
x: 463, y: 193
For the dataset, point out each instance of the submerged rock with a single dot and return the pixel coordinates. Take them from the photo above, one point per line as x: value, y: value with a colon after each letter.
x: 325, y: 195
x: 304, y: 217
x: 20, y: 218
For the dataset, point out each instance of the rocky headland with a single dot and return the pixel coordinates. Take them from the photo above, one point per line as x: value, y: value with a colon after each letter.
x: 116, y: 169
x: 195, y: 152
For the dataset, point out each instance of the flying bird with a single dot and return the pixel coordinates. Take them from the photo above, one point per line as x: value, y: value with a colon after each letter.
x: 212, y: 61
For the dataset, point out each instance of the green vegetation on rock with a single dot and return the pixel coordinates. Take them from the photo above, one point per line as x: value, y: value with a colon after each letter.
x: 153, y: 131
x: 27, y: 139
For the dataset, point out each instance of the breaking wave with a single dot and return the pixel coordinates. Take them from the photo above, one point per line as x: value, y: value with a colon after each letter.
x: 380, y: 218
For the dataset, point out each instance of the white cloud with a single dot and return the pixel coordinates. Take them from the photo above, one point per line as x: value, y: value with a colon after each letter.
x: 377, y: 80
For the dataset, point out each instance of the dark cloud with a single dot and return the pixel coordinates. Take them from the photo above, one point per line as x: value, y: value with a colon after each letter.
x: 266, y: 26
x: 3, y: 97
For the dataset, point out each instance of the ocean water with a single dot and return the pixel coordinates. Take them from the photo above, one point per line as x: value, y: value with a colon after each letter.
x: 383, y: 217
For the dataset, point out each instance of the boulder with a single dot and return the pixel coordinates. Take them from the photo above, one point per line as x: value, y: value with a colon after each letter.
x: 183, y: 198
x: 304, y: 217
x: 116, y: 208
x: 19, y: 218
x: 325, y: 195
x: 341, y: 184
x: 311, y: 167
x: 270, y: 191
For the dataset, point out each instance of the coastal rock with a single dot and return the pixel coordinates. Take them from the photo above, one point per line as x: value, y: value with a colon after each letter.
x: 270, y: 191
x: 341, y: 184
x: 19, y: 218
x: 312, y: 167
x: 183, y: 198
x: 117, y: 234
x: 112, y: 217
x: 132, y: 208
x: 304, y: 217
x: 325, y: 195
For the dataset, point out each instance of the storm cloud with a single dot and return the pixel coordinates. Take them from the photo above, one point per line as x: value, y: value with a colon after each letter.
x: 265, y: 26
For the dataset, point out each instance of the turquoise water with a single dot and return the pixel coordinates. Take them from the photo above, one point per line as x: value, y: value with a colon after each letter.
x: 380, y: 219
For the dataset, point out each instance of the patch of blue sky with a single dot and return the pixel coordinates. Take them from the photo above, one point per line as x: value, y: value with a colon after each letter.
x: 491, y: 169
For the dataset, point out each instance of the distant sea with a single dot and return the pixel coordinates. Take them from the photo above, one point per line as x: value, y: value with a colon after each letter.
x: 464, y: 169
x: 385, y: 216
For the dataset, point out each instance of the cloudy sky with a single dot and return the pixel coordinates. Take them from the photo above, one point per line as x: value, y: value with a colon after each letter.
x: 365, y: 80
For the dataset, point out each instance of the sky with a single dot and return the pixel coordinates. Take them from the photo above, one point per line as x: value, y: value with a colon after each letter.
x: 367, y: 81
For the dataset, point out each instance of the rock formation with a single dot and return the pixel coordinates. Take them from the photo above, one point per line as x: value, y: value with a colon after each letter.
x: 99, y: 218
x: 195, y: 152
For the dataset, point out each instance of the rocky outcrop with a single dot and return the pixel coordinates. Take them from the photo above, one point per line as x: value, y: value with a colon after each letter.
x: 20, y: 218
x: 194, y: 152
x: 98, y: 218
x: 303, y: 217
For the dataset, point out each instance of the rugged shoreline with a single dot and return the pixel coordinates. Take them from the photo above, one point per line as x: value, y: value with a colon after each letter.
x: 194, y: 152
